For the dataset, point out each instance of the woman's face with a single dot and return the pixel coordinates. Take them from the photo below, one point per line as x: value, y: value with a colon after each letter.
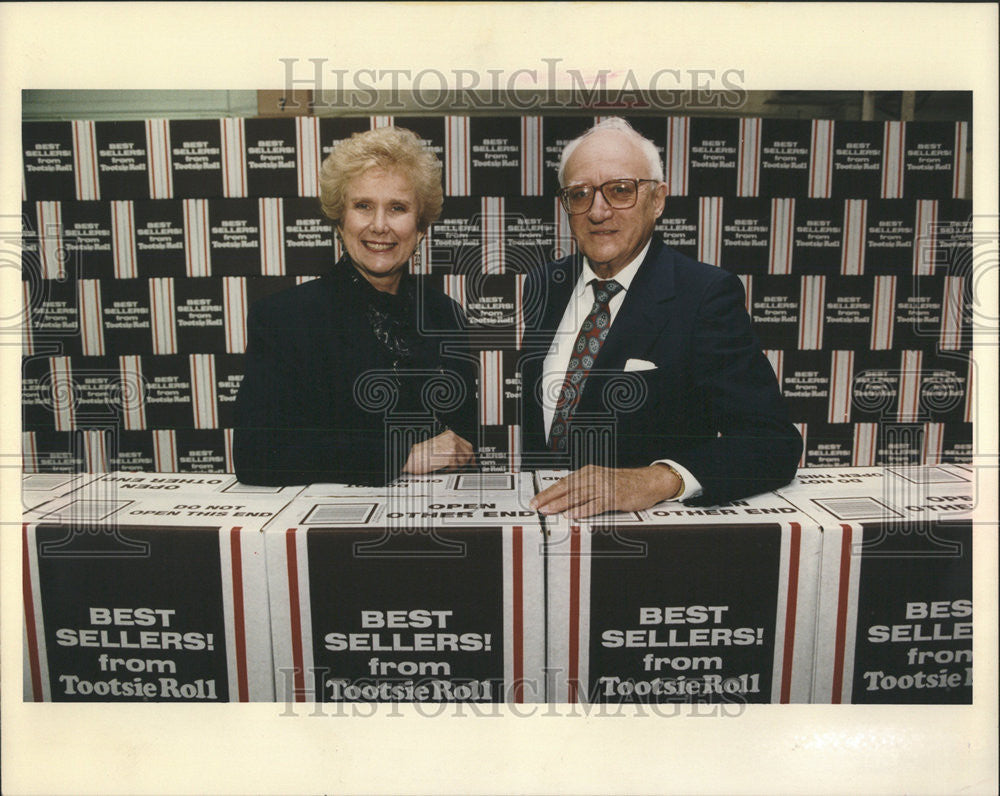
x: 379, y: 228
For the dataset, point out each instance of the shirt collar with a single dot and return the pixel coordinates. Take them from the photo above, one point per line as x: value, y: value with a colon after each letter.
x: 623, y: 277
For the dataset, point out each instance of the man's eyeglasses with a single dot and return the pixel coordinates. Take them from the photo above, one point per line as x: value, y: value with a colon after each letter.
x: 620, y: 194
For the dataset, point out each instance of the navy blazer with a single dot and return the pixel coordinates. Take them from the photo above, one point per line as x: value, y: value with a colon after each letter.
x: 711, y: 403
x: 318, y: 402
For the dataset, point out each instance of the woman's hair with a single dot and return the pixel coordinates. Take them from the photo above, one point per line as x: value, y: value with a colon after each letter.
x: 390, y: 148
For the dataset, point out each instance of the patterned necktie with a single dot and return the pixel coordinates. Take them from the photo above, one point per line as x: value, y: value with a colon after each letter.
x: 588, y: 343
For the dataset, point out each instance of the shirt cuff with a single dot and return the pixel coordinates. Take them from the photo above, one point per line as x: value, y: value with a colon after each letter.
x: 690, y: 486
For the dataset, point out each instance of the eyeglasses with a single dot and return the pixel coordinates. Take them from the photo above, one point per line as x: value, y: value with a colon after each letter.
x: 620, y: 194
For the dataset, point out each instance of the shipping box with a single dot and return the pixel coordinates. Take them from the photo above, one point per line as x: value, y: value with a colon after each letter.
x: 147, y: 596
x: 895, y: 616
x: 434, y: 599
x: 682, y: 604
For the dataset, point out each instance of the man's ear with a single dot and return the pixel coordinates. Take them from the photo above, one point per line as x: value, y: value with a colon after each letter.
x: 660, y: 198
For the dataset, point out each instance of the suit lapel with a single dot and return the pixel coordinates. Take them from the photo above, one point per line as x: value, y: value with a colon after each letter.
x: 559, y: 283
x: 644, y: 312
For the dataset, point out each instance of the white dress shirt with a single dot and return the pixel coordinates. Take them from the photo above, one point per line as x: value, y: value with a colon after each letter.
x: 557, y: 360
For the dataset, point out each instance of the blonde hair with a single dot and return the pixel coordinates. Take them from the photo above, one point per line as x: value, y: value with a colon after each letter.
x: 390, y: 148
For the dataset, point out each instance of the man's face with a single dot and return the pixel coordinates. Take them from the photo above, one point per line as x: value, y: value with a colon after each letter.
x: 611, y: 238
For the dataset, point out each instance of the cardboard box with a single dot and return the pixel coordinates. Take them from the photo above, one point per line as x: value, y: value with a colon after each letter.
x: 412, y: 600
x: 678, y: 604
x: 137, y: 596
x: 895, y: 610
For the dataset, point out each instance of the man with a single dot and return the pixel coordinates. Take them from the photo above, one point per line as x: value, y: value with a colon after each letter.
x: 650, y: 386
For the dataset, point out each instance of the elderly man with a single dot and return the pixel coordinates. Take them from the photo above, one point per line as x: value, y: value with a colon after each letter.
x: 642, y: 374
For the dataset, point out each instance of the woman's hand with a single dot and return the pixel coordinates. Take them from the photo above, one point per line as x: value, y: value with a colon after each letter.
x: 446, y: 451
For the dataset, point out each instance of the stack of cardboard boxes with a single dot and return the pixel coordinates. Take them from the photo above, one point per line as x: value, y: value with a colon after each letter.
x: 849, y: 585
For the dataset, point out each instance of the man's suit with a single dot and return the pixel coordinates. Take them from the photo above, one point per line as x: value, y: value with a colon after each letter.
x: 711, y: 404
x: 319, y: 396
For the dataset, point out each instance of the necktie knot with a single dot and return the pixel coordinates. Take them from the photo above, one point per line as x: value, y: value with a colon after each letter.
x: 604, y: 290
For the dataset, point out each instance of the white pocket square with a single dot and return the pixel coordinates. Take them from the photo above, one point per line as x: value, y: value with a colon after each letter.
x: 638, y: 364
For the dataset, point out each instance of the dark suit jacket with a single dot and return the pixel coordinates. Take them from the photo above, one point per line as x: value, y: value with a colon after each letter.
x: 712, y: 404
x: 317, y: 401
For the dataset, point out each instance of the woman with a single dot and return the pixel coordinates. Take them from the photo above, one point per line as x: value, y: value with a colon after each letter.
x: 354, y: 377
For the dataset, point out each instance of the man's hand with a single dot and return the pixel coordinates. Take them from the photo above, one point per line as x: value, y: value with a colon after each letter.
x: 446, y: 451
x: 593, y: 490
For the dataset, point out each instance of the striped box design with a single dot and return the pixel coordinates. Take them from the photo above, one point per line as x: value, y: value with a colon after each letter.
x: 93, y: 558
x: 444, y: 608
x: 661, y: 640
x: 895, y: 605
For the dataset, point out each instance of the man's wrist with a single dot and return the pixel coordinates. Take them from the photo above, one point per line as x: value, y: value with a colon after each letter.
x: 677, y: 480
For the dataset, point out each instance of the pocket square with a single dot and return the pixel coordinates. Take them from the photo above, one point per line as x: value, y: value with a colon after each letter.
x: 638, y: 364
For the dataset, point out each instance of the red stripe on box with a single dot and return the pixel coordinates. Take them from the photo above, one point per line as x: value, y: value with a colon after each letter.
x: 885, y: 160
x: 518, y: 575
x: 670, y: 161
x: 574, y: 614
x: 294, y: 615
x: 77, y: 164
x: 213, y: 405
x: 133, y: 265
x: 901, y: 159
x: 790, y: 609
x: 957, y: 164
x: 789, y: 223
x: 228, y: 301
x: 195, y: 400
x: 92, y: 133
x: 266, y: 264
x: 239, y: 620
x: 828, y: 169
x: 718, y: 232
x: 241, y: 152
x: 841, y: 638
x: 804, y: 296
x: 686, y: 140
x: 861, y: 236
x: 758, y: 126
x: 818, y: 306
x: 834, y: 385
x: 29, y: 617
x: 466, y: 167
x: 812, y: 155
x: 969, y: 393
x: 206, y: 229
x: 171, y: 317
x: 540, y: 157
x: 226, y: 147
x: 844, y: 255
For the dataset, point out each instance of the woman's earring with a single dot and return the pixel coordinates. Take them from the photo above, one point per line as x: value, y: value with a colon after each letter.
x: 417, y: 257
